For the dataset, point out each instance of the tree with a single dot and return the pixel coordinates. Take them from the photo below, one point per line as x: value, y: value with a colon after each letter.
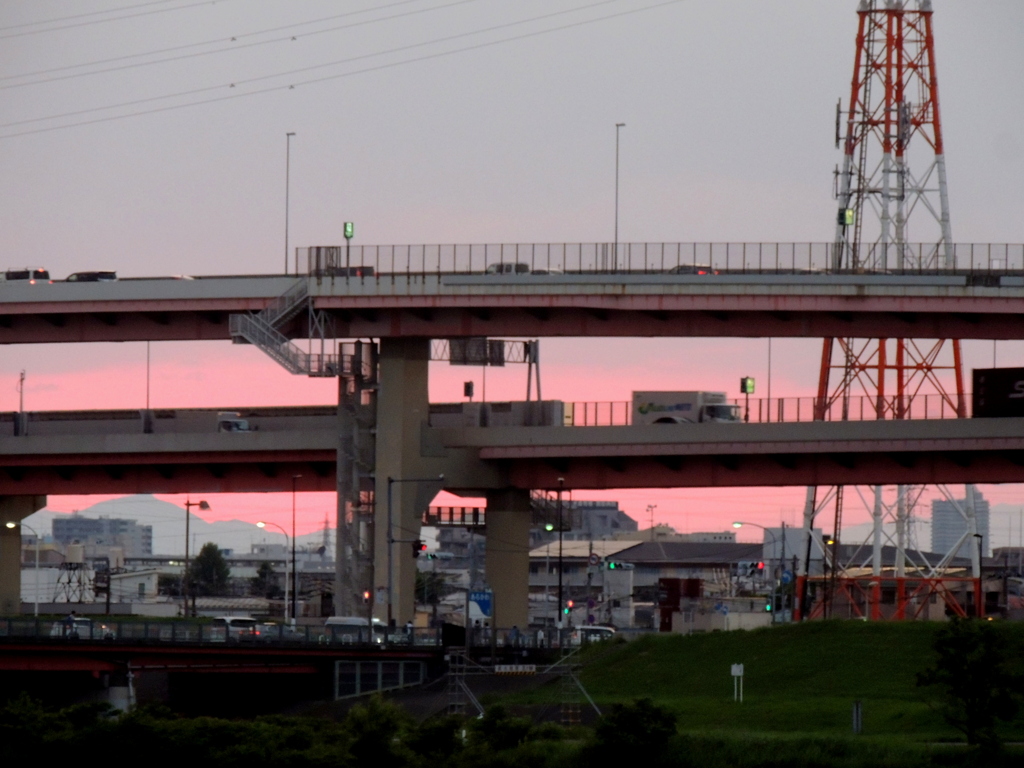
x: 972, y: 672
x: 263, y: 584
x: 637, y: 733
x: 430, y: 587
x: 209, y: 572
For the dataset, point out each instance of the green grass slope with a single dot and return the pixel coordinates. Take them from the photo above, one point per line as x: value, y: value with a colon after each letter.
x: 799, y: 679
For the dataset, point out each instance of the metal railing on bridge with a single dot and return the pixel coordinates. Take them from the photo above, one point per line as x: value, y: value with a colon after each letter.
x: 207, y: 633
x: 370, y: 262
x: 618, y: 413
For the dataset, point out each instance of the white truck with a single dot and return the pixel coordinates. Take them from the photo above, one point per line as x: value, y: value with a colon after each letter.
x: 682, y: 408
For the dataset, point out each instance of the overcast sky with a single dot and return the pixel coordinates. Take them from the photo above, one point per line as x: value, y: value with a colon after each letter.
x: 455, y: 121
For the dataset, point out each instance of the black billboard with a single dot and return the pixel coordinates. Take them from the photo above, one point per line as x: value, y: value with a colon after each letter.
x: 998, y: 392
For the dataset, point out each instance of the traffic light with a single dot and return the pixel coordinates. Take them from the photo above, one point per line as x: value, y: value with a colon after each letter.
x: 845, y: 217
x: 418, y: 546
x: 568, y: 607
x: 768, y: 607
x: 616, y: 565
x: 746, y: 386
x: 350, y: 230
x: 366, y: 597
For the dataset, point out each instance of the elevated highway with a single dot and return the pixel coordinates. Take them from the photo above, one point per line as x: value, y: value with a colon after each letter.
x: 110, y: 452
x: 439, y: 305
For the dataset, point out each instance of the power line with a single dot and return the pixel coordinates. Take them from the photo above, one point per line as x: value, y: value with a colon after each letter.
x: 84, y: 15
x: 189, y: 46
x: 103, y: 21
x: 327, y: 78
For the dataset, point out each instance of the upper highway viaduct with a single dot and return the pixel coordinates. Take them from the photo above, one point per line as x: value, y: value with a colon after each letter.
x: 450, y: 305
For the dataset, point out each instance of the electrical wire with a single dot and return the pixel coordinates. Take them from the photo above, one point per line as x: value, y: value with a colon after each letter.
x: 327, y: 78
x: 84, y: 15
x: 228, y: 49
x: 249, y: 81
x: 104, y: 21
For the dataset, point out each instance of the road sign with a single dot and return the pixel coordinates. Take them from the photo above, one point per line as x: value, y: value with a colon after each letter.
x: 484, y: 599
x: 594, y: 559
x: 787, y: 577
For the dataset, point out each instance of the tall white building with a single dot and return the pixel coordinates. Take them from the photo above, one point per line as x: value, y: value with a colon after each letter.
x: 948, y: 525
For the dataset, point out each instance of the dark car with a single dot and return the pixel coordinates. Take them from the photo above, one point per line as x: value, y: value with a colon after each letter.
x: 29, y: 275
x: 93, y: 277
x: 692, y: 269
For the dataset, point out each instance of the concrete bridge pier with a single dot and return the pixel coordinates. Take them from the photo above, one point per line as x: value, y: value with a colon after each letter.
x: 13, y: 509
x: 403, y: 409
x: 508, y: 556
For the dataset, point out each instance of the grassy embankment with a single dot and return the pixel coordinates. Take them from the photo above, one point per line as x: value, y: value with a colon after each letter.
x: 799, y: 679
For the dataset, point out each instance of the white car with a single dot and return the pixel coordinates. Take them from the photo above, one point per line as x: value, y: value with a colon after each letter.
x: 235, y: 629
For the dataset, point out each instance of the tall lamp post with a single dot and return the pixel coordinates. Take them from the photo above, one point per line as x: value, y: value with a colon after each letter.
x: 185, y: 576
x: 12, y: 525
x: 740, y: 524
x: 287, y: 194
x: 262, y: 524
x: 561, y: 486
x: 295, y: 586
x: 391, y: 539
x: 615, y: 251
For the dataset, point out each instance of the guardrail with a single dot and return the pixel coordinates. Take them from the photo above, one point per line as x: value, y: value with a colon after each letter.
x: 368, y: 262
x: 619, y: 413
x: 205, y: 633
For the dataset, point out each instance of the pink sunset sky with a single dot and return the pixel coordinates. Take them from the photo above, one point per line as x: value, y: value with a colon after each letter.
x: 503, y: 135
x: 210, y: 374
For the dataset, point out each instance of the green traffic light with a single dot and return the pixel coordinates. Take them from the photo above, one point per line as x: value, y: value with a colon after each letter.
x: 611, y: 566
x: 549, y: 526
x: 768, y: 607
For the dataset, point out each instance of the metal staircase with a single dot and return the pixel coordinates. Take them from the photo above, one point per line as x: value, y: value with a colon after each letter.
x: 262, y: 329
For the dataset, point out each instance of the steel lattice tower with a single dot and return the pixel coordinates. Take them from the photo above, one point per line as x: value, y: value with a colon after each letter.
x: 893, y: 174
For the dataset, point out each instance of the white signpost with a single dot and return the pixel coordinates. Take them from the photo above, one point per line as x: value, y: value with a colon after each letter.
x: 737, y: 682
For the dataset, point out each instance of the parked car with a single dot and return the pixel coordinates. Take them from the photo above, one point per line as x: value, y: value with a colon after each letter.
x: 272, y: 631
x: 103, y: 276
x: 235, y: 629
x: 30, y: 275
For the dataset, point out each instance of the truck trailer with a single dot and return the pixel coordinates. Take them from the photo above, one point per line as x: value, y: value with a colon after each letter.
x: 682, y: 408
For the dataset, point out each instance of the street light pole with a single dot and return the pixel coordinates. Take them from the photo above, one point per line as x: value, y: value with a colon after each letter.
x: 740, y: 524
x: 295, y: 588
x: 184, y: 577
x: 13, y: 525
x: 287, y: 193
x: 561, y: 486
x: 262, y: 524
x: 615, y: 251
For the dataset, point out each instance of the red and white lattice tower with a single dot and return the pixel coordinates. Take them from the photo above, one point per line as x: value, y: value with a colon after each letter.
x: 893, y: 177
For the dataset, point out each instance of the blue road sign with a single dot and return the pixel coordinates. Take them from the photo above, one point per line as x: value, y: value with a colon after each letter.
x: 484, y: 599
x: 787, y: 577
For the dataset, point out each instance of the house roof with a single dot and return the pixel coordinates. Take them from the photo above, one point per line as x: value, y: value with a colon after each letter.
x: 582, y: 549
x: 665, y: 552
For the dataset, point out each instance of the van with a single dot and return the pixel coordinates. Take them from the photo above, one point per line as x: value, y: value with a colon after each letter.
x: 232, y: 421
x: 352, y: 629
x: 30, y: 275
x: 235, y: 629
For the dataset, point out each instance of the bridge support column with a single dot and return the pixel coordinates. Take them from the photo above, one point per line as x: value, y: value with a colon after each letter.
x: 402, y: 410
x: 508, y: 556
x: 13, y: 509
